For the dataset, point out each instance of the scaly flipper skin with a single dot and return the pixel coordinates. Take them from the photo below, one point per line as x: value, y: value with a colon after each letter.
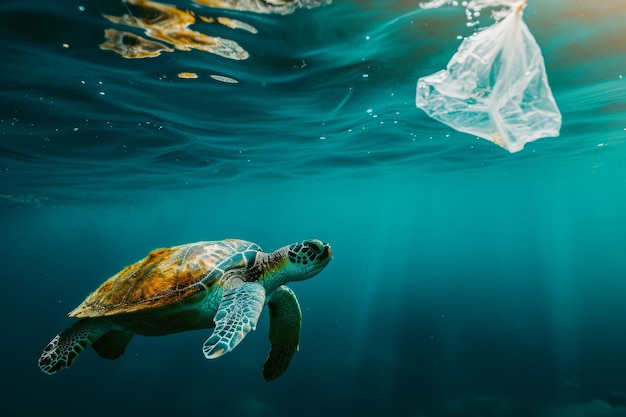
x: 238, y: 313
x: 67, y: 345
x: 285, y: 324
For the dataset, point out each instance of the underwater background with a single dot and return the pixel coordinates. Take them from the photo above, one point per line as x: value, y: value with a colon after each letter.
x: 466, y: 281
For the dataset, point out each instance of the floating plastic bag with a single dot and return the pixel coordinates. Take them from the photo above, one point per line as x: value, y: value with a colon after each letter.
x: 495, y: 87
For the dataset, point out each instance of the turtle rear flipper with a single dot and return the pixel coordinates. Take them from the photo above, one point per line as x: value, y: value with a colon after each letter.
x: 67, y: 345
x: 112, y: 344
x: 285, y: 324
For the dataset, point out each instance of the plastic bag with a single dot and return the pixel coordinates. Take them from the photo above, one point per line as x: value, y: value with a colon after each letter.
x: 495, y: 87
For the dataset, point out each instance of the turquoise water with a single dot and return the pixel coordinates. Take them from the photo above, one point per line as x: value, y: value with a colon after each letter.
x: 466, y: 281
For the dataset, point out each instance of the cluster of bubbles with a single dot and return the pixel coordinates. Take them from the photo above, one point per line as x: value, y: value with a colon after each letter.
x: 473, y: 8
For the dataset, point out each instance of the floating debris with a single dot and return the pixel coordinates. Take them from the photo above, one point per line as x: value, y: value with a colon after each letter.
x: 224, y: 79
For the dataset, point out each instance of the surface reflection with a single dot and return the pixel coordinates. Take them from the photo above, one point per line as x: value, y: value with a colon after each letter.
x: 130, y: 45
x: 168, y: 24
x: 264, y: 6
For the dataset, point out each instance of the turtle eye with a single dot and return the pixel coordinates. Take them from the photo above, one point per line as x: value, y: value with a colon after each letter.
x: 316, y: 246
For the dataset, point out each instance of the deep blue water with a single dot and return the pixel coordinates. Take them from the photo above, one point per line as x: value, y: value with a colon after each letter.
x: 466, y: 281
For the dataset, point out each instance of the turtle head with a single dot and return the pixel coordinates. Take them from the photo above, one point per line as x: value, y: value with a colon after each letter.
x: 308, y: 258
x: 301, y: 260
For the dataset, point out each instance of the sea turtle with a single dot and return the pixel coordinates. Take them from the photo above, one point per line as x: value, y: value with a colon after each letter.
x: 222, y: 285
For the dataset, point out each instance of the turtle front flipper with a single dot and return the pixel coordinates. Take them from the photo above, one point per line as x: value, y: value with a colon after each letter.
x: 67, y: 345
x: 238, y: 313
x: 285, y: 324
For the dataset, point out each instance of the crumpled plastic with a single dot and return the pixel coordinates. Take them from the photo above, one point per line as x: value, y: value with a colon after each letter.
x: 495, y: 87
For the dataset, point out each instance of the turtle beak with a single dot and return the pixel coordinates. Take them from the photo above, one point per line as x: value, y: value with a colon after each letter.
x: 323, y: 250
x: 328, y: 252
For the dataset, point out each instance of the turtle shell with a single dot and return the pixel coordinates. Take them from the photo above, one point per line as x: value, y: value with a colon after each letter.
x: 167, y: 276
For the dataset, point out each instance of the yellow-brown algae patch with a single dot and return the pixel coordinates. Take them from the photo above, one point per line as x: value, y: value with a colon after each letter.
x: 130, y: 45
x: 188, y: 39
x: 187, y: 75
x: 150, y: 15
x: 207, y: 19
